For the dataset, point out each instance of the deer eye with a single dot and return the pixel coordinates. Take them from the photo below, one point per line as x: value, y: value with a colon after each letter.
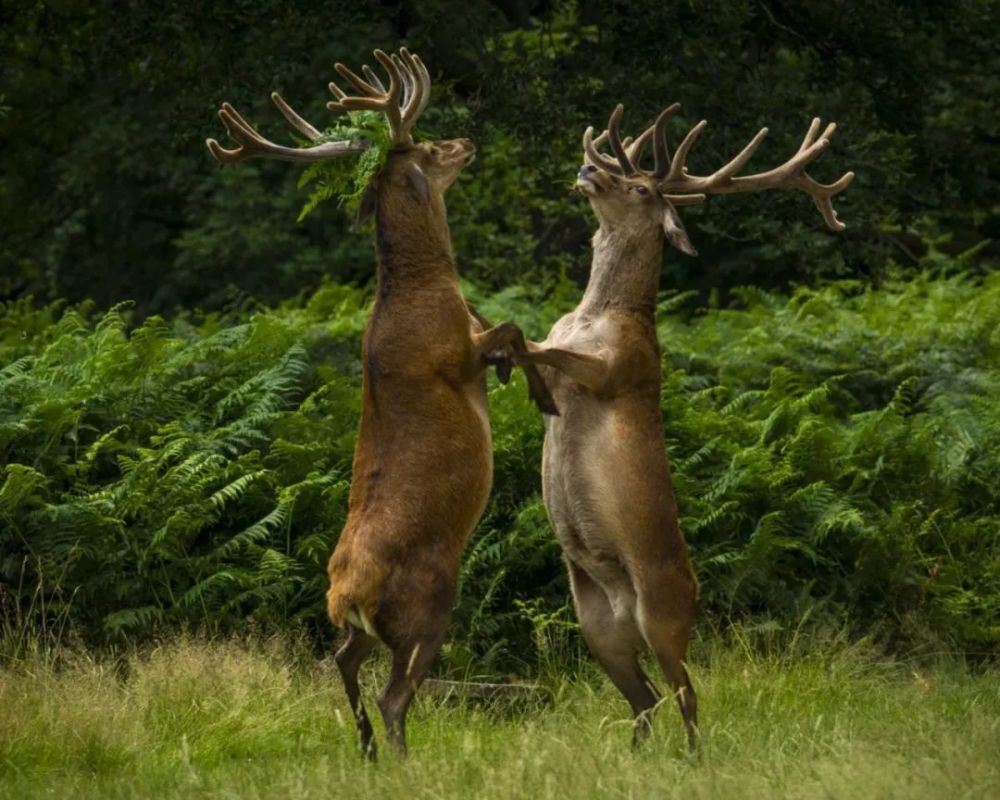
x: 642, y: 190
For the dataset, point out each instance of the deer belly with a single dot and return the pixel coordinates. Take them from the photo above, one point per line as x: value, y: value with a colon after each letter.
x: 450, y: 481
x: 579, y: 483
x: 476, y: 397
x: 424, y: 472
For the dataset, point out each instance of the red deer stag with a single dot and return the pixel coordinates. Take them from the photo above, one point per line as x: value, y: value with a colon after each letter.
x: 606, y: 476
x: 423, y: 466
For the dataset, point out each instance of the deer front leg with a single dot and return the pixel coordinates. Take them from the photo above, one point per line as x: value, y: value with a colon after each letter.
x: 500, y: 360
x: 593, y: 370
x: 508, y: 335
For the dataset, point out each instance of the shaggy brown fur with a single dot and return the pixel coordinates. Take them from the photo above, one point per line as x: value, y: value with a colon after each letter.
x: 423, y: 466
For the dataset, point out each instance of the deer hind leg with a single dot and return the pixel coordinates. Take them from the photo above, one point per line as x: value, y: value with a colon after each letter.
x: 665, y: 614
x: 349, y: 659
x: 616, y: 644
x: 410, y: 662
x: 413, y: 627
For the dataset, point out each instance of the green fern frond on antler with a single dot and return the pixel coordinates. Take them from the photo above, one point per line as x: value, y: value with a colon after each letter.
x: 344, y: 178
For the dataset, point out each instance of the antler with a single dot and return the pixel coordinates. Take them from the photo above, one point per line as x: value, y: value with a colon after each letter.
x: 682, y: 188
x: 402, y: 103
x: 628, y: 152
x: 623, y: 164
x: 674, y: 177
x: 253, y: 145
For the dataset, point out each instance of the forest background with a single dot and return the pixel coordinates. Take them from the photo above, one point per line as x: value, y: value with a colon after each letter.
x: 179, y: 355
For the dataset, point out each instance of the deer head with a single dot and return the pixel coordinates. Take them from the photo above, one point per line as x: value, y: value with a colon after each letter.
x: 425, y: 170
x: 624, y: 195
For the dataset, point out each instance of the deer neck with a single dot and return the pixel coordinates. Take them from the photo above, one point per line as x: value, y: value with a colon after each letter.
x: 625, y: 272
x: 412, y: 242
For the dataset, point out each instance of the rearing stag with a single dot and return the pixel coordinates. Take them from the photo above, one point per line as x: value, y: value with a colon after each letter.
x: 605, y: 472
x: 423, y: 465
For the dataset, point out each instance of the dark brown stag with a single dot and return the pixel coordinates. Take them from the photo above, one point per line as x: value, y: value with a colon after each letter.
x: 606, y: 476
x: 423, y: 466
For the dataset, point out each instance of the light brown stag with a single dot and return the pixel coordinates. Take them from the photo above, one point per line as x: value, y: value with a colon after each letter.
x: 423, y: 466
x: 605, y: 471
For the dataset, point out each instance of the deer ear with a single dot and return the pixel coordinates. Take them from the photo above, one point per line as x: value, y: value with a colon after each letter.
x: 367, y: 206
x: 418, y: 183
x: 674, y: 230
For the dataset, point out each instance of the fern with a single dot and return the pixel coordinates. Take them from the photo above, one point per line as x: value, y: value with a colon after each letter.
x: 347, y: 178
x: 835, y: 447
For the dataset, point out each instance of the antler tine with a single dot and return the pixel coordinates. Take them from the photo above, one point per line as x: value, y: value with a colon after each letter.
x: 421, y: 78
x: 373, y: 78
x: 356, y: 80
x: 415, y: 99
x: 734, y: 166
x: 680, y: 157
x: 635, y: 148
x: 425, y: 77
x: 810, y: 137
x: 345, y: 102
x: 392, y: 110
x: 296, y: 121
x: 614, y: 139
x: 253, y: 145
x: 406, y: 74
x: 238, y: 129
x: 598, y: 160
x: 822, y: 196
x: 686, y: 199
x: 661, y: 153
x: 337, y: 92
x: 628, y: 149
x: 350, y: 103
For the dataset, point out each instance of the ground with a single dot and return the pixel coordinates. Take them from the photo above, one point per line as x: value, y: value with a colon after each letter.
x: 197, y: 719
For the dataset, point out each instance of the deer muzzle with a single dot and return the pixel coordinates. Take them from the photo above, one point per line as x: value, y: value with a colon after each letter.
x: 585, y: 179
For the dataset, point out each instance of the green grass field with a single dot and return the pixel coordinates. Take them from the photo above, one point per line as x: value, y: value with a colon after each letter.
x: 193, y: 719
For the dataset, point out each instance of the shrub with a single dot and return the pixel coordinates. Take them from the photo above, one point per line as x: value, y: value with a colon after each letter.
x: 834, y: 449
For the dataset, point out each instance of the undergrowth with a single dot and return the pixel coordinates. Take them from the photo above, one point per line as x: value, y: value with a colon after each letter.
x: 834, y: 452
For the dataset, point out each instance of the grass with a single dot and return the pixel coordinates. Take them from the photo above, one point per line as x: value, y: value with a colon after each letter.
x: 198, y: 719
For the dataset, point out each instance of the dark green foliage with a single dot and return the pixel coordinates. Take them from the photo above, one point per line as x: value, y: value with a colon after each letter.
x: 174, y: 473
x: 832, y: 450
x: 841, y: 445
x: 109, y: 192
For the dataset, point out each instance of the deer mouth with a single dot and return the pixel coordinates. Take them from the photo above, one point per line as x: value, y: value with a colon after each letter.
x: 587, y: 180
x: 586, y: 184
